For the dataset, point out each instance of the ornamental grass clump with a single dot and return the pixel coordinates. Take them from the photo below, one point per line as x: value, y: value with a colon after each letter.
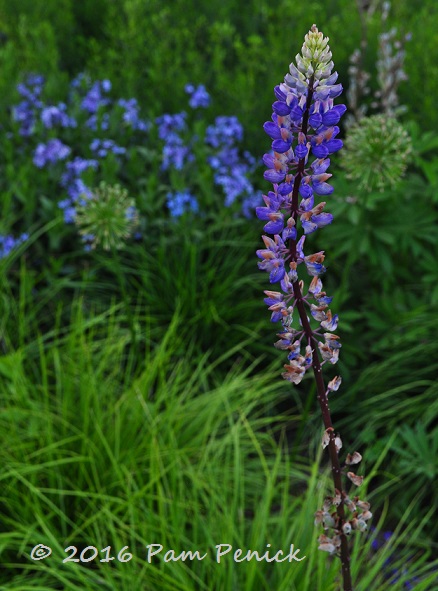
x: 304, y: 133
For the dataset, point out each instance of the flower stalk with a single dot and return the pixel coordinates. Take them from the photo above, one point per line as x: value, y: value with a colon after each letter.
x: 304, y: 125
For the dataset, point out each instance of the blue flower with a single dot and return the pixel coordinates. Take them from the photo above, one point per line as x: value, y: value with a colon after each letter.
x: 131, y: 115
x: 199, y: 96
x: 8, y: 243
x: 181, y: 202
x: 50, y: 153
x: 102, y: 147
x: 25, y: 112
x: 53, y: 116
x: 225, y: 132
x: 171, y: 124
x: 94, y: 98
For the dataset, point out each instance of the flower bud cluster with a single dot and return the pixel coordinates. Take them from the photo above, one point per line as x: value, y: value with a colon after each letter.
x: 303, y: 131
x: 334, y: 527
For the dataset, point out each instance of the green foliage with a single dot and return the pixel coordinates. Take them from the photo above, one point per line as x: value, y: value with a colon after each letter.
x: 183, y: 455
x: 148, y: 47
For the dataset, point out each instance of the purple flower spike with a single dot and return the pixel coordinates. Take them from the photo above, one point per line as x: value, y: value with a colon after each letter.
x: 303, y: 130
x: 297, y: 169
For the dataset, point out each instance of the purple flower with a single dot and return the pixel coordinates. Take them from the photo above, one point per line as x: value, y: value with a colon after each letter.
x: 169, y: 125
x: 8, y: 243
x: 76, y: 167
x: 176, y: 155
x: 102, y: 147
x: 302, y: 130
x: 199, y: 97
x: 77, y: 190
x: 26, y: 111
x: 225, y: 132
x: 56, y: 116
x: 181, y: 202
x: 50, y: 153
x: 131, y: 115
x: 94, y: 98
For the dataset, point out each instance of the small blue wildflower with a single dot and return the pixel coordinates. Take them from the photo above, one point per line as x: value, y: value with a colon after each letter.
x: 180, y: 203
x: 234, y: 184
x: 225, y: 132
x: 81, y: 80
x: 76, y: 167
x: 231, y: 172
x: 56, y: 116
x: 8, y: 243
x: 94, y: 99
x: 68, y: 209
x: 131, y: 213
x: 102, y: 122
x: 171, y: 125
x: 131, y: 115
x: 102, y: 147
x: 199, y: 97
x: 50, y: 153
x: 31, y: 88
x: 176, y: 155
x: 25, y: 112
x: 77, y: 190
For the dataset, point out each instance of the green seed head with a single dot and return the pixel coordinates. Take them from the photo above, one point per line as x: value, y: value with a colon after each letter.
x: 108, y: 218
x: 376, y: 153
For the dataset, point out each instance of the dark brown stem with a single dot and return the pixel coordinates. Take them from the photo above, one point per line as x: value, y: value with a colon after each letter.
x: 316, y: 365
x: 323, y: 403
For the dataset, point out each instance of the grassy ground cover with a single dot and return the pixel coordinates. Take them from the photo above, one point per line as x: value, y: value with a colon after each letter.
x: 182, y: 455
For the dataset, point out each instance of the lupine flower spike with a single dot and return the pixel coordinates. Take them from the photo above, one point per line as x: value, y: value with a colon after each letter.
x: 304, y: 133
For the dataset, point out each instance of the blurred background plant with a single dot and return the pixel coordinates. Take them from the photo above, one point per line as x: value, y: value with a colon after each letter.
x: 94, y: 92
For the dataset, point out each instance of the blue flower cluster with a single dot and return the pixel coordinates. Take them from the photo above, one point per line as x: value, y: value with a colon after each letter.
x: 56, y: 116
x: 76, y: 189
x: 95, y: 108
x: 175, y: 153
x: 199, y: 97
x: 74, y: 141
x: 231, y: 170
x: 26, y: 111
x: 131, y: 115
x: 101, y: 148
x: 181, y: 202
x: 50, y: 153
x: 8, y: 243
